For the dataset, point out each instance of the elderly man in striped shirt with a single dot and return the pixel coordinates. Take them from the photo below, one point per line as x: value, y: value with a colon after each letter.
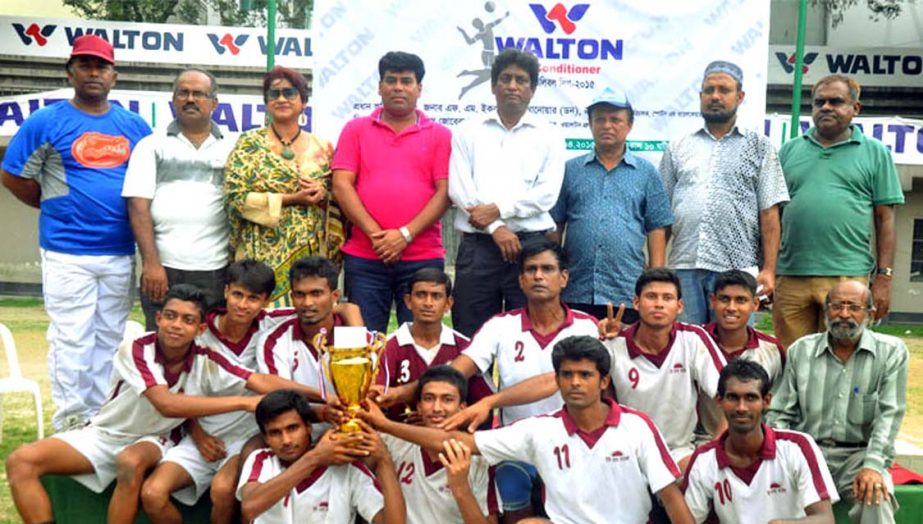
x: 846, y: 387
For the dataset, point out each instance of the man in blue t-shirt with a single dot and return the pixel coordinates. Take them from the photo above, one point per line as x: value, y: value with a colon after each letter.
x: 69, y: 160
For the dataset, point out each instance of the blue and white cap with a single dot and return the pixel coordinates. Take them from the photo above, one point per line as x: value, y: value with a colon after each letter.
x: 611, y: 96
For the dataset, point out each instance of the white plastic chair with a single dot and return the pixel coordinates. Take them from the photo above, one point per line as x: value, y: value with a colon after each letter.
x: 16, y: 383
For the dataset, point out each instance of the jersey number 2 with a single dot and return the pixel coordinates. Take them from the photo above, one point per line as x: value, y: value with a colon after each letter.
x: 519, y: 349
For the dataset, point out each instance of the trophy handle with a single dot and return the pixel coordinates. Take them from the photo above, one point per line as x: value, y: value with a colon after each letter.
x: 376, y: 346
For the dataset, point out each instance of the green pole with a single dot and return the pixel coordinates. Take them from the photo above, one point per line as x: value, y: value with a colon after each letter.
x: 271, y: 35
x: 799, y: 65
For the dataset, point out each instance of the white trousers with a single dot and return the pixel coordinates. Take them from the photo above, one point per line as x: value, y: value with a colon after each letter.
x: 87, y: 299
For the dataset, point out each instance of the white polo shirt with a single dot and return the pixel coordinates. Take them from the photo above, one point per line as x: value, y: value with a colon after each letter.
x: 666, y: 386
x: 424, y: 483
x: 329, y: 495
x: 601, y: 476
x: 186, y: 187
x: 237, y: 424
x: 521, y: 353
x: 761, y: 348
x: 138, y: 365
x: 789, y: 475
x: 403, y: 361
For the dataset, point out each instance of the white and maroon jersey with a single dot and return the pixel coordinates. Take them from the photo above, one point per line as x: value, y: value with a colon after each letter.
x: 403, y: 362
x: 600, y: 476
x: 789, y: 475
x: 237, y: 424
x: 424, y: 483
x: 666, y: 385
x: 329, y: 495
x: 138, y: 365
x: 761, y: 348
x: 283, y: 352
x: 521, y: 353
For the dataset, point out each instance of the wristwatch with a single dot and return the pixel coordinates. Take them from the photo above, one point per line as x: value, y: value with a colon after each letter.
x: 885, y: 272
x: 406, y: 234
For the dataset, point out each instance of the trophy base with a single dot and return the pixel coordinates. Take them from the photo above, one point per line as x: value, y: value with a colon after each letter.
x: 349, y: 427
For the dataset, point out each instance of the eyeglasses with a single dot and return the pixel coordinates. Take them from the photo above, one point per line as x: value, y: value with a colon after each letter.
x: 290, y: 93
x: 183, y: 94
x: 836, y: 307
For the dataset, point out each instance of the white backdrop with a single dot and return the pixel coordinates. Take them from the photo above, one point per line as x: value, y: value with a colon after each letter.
x: 655, y: 50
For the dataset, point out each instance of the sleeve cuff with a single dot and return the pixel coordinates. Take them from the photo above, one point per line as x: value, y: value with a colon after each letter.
x: 495, y: 225
x: 506, y: 210
x: 874, y: 462
x: 264, y: 209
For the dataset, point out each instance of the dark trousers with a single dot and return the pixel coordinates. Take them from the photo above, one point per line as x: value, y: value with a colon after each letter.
x: 374, y: 286
x: 630, y: 316
x: 210, y: 282
x: 485, y: 284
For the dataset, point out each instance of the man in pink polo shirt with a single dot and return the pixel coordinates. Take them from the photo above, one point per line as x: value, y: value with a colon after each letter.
x: 390, y: 177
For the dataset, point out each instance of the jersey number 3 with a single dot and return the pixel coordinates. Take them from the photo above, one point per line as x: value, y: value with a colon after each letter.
x: 405, y: 372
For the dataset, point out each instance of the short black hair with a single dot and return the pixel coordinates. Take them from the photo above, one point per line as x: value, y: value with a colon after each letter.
x: 314, y: 266
x: 187, y: 293
x: 735, y: 277
x: 430, y: 275
x: 398, y: 62
x: 213, y: 82
x: 252, y: 275
x: 744, y: 371
x: 512, y: 56
x: 446, y: 374
x: 658, y: 274
x: 282, y: 401
x: 533, y: 247
x: 581, y: 347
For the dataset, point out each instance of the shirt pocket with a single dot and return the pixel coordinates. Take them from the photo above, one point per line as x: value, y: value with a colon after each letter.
x: 862, y: 409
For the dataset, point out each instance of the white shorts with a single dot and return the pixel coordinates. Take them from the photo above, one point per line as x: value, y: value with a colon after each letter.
x: 101, y: 450
x: 186, y: 455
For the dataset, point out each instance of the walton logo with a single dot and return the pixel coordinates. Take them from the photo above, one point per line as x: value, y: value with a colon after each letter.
x: 34, y: 33
x: 788, y: 62
x: 559, y: 14
x: 227, y: 43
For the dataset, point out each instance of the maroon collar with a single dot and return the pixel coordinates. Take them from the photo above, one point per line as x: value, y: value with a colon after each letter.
x: 591, y: 437
x: 430, y: 466
x: 298, y: 333
x: 159, y: 358
x: 237, y: 347
x: 634, y: 351
x: 753, y: 341
x: 544, y: 340
x: 767, y: 452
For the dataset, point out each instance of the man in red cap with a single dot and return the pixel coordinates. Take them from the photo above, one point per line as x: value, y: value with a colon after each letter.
x: 69, y: 160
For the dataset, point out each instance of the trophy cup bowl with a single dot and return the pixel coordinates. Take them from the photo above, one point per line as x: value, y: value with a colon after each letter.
x: 351, y: 371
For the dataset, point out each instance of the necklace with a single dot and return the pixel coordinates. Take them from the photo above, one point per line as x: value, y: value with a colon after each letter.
x: 287, y: 152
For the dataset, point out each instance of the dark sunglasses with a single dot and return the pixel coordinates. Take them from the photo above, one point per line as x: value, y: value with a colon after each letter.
x: 290, y: 93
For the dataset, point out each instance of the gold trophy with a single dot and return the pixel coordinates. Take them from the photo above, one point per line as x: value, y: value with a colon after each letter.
x: 351, y: 367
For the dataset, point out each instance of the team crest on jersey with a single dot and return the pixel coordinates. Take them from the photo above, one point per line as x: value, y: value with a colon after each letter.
x: 617, y: 456
x: 94, y: 149
x: 775, y: 489
x: 321, y: 506
x: 678, y: 368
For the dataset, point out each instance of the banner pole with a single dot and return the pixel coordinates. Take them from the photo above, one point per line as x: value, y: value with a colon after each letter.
x: 270, y: 34
x: 799, y: 66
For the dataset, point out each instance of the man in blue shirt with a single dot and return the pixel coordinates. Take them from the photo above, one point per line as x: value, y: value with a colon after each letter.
x: 611, y: 201
x: 69, y: 160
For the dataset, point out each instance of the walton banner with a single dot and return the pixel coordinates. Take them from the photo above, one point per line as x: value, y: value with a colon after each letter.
x: 655, y: 51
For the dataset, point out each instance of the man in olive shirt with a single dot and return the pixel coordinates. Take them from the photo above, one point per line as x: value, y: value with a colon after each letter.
x: 847, y: 388
x: 838, y: 179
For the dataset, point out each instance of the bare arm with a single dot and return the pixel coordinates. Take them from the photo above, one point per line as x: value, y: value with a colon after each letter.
x: 154, y: 282
x: 264, y: 383
x: 657, y: 247
x: 884, y: 244
x: 672, y: 499
x: 178, y: 405
x: 456, y: 457
x: 557, y: 236
x: 28, y: 191
x: 344, y: 191
x: 350, y: 313
x: 429, y: 438
x: 770, y: 236
x: 527, y: 391
x: 821, y: 512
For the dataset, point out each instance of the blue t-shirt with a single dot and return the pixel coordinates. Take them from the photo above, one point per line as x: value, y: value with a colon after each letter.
x: 79, y: 160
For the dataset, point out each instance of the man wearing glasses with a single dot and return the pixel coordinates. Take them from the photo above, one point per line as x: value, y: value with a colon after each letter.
x: 174, y: 186
x: 846, y: 387
x: 838, y: 180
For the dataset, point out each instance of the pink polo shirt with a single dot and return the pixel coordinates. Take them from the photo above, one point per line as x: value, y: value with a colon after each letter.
x: 396, y: 176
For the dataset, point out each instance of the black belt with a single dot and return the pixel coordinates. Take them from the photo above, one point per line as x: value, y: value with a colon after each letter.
x: 830, y: 443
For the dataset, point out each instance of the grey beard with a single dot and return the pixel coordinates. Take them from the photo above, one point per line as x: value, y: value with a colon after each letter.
x: 846, y: 329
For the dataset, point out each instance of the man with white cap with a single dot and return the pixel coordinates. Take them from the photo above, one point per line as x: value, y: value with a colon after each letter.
x: 725, y: 185
x: 69, y: 161
x: 610, y: 202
